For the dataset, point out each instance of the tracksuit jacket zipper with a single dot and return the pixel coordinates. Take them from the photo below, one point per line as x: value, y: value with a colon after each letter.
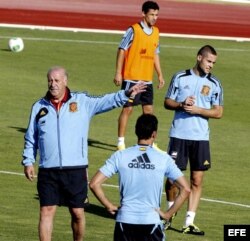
x: 58, y: 133
x: 58, y: 138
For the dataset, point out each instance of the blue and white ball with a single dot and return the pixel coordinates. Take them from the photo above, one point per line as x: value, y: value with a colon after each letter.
x: 16, y: 44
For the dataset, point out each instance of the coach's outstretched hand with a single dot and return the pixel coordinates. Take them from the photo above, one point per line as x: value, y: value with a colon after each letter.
x: 136, y: 89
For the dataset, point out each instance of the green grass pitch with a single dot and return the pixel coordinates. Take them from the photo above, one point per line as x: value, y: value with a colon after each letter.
x: 90, y: 61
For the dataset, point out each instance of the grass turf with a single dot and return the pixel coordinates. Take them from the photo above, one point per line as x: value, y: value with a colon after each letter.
x: 90, y: 61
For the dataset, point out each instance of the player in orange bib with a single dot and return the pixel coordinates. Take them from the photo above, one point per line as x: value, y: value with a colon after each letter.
x: 137, y: 58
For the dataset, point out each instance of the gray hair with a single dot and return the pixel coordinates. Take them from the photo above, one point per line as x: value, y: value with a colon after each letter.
x: 58, y: 68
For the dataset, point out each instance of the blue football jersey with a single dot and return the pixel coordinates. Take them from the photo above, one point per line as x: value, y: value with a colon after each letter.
x: 141, y: 171
x: 207, y: 91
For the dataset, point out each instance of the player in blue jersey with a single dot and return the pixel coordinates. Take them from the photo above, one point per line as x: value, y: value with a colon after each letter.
x: 195, y: 95
x: 141, y: 169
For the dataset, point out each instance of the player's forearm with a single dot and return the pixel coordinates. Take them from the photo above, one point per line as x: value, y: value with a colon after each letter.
x: 157, y: 66
x: 172, y: 104
x: 97, y: 190
x: 215, y: 112
x: 120, y: 60
x: 95, y: 186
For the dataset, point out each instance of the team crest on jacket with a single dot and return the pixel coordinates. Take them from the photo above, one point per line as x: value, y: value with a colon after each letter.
x: 205, y: 90
x: 73, y: 107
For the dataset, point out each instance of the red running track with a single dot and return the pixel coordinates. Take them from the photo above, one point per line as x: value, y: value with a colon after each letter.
x: 180, y: 17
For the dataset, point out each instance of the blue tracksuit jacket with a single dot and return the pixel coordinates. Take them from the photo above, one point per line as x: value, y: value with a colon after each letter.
x: 62, y: 137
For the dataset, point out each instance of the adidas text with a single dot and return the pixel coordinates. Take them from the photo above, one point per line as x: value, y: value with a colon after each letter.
x: 141, y: 165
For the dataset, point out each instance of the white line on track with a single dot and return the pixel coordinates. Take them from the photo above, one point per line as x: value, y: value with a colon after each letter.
x: 236, y: 1
x: 115, y: 186
x: 238, y: 39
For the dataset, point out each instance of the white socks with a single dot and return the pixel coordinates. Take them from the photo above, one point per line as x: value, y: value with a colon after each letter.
x: 189, y: 215
x: 189, y: 218
x: 121, y: 141
x: 170, y: 204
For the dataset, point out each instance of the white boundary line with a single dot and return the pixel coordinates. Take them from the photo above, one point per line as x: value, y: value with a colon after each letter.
x: 116, y: 43
x: 115, y: 186
x: 236, y: 1
x: 33, y: 27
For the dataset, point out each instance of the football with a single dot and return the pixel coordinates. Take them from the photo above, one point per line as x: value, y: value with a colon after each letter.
x: 16, y: 44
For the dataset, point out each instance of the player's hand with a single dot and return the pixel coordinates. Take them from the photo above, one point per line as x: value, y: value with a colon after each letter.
x: 161, y: 83
x: 118, y: 79
x: 29, y: 172
x: 112, y: 209
x: 190, y: 100
x: 163, y: 215
x: 192, y: 109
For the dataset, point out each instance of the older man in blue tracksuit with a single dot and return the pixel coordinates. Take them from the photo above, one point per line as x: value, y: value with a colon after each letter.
x: 58, y: 128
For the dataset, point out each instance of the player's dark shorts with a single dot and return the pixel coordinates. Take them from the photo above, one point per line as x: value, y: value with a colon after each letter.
x: 144, y: 98
x: 197, y: 152
x: 136, y: 232
x: 62, y: 187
